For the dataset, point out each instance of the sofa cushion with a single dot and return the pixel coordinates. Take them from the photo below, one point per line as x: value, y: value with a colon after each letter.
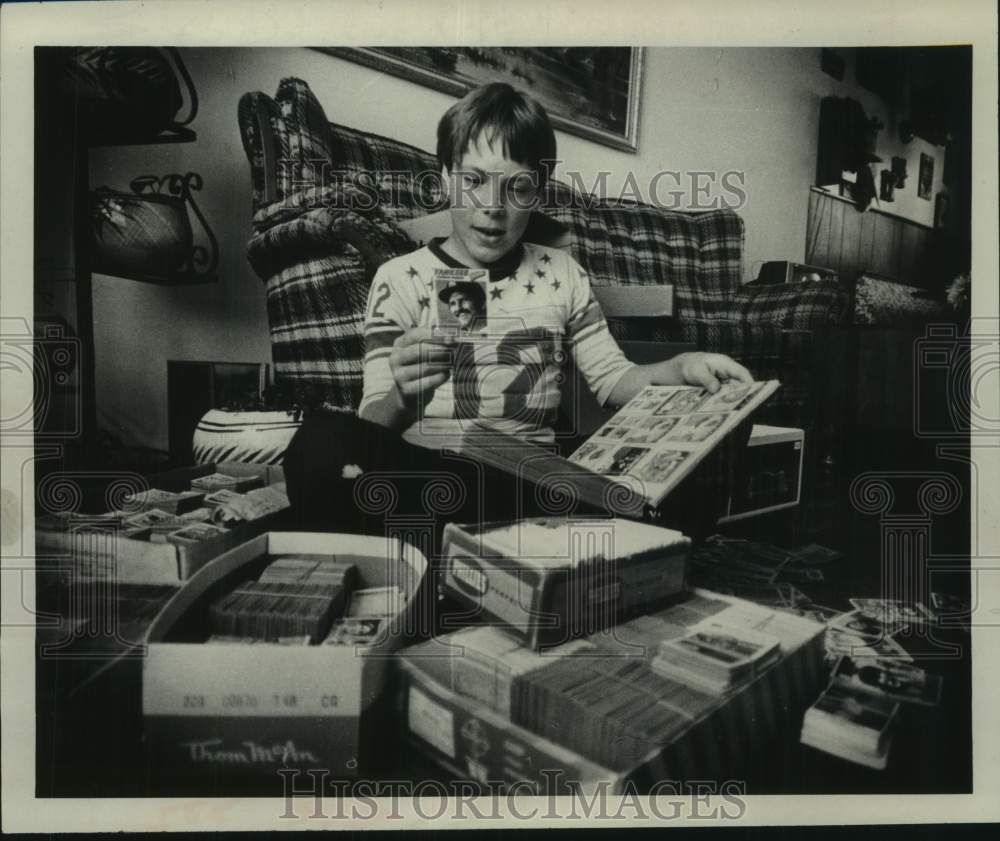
x: 623, y: 243
x: 404, y: 181
x: 809, y: 305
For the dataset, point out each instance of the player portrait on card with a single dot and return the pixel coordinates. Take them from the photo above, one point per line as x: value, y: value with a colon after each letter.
x: 461, y: 301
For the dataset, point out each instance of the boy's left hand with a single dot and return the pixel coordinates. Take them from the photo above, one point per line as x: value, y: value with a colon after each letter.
x: 710, y: 370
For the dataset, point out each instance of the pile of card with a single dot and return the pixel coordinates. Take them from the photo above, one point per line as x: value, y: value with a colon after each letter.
x: 760, y: 572
x: 222, y: 481
x: 159, y: 526
x: 486, y: 661
x: 716, y: 658
x: 870, y: 628
x: 273, y: 610
x: 892, y: 678
x: 852, y: 725
x: 311, y: 569
x: 612, y: 710
x: 295, y: 600
x: 231, y: 507
x: 171, y: 503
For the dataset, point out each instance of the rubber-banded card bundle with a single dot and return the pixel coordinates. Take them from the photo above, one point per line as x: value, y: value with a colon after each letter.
x: 549, y: 580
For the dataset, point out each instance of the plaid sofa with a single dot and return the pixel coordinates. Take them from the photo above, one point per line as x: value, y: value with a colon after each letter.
x: 328, y: 201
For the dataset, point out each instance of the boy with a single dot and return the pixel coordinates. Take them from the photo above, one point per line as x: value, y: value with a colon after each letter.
x: 431, y: 386
x: 495, y: 145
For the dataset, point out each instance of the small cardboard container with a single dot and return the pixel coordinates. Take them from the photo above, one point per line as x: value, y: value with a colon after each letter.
x: 232, y: 710
x: 99, y: 551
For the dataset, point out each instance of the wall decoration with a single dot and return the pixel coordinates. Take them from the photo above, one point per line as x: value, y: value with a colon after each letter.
x: 926, y: 176
x: 887, y: 186
x: 899, y: 172
x: 147, y: 234
x: 592, y: 92
x: 941, y: 210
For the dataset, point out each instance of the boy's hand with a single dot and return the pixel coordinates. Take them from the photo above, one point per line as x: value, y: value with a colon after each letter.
x: 709, y: 370
x: 420, y: 361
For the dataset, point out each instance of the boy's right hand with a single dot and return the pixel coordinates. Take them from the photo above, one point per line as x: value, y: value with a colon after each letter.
x: 420, y: 361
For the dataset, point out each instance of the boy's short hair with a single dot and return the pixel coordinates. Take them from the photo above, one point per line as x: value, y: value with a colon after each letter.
x: 499, y: 112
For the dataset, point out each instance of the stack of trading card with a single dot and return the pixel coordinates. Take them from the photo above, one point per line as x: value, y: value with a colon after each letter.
x: 854, y: 725
x: 550, y: 579
x: 222, y: 481
x: 870, y: 629
x: 230, y: 507
x: 220, y: 497
x: 194, y: 533
x: 161, y: 523
x: 612, y: 710
x: 892, y: 678
x: 487, y: 660
x: 310, y: 568
x: 716, y: 658
x: 273, y: 610
x: 171, y: 503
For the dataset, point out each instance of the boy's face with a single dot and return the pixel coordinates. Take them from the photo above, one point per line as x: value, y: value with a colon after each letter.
x: 491, y: 202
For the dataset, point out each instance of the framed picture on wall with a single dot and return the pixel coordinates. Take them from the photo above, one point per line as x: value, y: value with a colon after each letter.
x: 592, y: 92
x: 926, y: 180
x: 941, y: 210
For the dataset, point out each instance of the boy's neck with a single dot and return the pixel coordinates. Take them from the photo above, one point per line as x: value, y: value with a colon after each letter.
x: 439, y: 247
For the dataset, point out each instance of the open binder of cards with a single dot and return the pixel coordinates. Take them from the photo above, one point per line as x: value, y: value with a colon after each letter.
x: 641, y: 454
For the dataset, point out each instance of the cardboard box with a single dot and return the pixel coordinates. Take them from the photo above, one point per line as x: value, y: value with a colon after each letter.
x: 236, y: 710
x: 470, y: 740
x: 549, y: 580
x: 771, y: 474
x: 97, y: 550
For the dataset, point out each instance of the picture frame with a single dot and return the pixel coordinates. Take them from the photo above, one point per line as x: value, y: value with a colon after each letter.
x: 589, y: 92
x: 925, y: 182
x: 941, y: 208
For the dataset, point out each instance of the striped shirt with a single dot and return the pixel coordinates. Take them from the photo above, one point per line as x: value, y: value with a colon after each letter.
x: 506, y: 370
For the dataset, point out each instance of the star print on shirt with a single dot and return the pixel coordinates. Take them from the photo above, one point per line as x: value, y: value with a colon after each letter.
x: 412, y: 272
x: 546, y: 258
x: 496, y: 294
x: 539, y: 273
x: 530, y: 287
x: 424, y: 302
x: 555, y: 283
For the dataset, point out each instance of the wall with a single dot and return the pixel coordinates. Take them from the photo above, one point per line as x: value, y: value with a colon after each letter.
x: 752, y: 110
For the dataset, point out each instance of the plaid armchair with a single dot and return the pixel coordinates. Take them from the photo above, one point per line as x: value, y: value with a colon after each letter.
x: 328, y: 201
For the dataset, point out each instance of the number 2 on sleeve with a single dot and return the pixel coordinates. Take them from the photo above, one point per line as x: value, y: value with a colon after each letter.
x: 383, y: 296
